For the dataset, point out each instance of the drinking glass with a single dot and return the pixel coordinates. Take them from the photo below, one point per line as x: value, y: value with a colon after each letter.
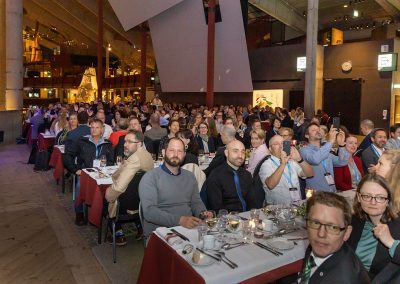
x: 255, y: 214
x: 233, y: 222
x: 209, y: 217
x: 222, y: 213
x: 202, y: 230
x: 247, y: 231
x: 118, y: 161
x: 103, y: 161
x: 221, y: 227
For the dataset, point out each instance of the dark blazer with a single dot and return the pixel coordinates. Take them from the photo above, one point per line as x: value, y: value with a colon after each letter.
x: 270, y: 133
x: 343, y: 176
x: 382, y: 257
x: 221, y: 189
x: 365, y: 143
x: 119, y: 149
x: 369, y: 157
x: 342, y: 267
x: 210, y: 143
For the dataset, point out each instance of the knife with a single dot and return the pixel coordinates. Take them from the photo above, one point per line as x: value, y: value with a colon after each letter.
x: 208, y: 254
x: 183, y: 237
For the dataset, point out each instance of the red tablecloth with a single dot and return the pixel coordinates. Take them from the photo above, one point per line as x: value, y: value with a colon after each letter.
x: 161, y: 264
x: 57, y: 163
x: 45, y: 143
x: 92, y: 195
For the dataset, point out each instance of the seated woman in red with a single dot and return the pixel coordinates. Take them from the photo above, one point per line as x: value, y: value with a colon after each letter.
x: 349, y: 176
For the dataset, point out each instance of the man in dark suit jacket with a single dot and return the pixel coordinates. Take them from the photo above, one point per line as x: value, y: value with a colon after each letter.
x: 329, y: 259
x: 370, y: 156
x: 366, y: 127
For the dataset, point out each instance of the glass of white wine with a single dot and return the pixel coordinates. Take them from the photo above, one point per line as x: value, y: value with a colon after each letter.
x: 234, y: 223
x: 103, y: 161
x: 211, y: 219
x: 118, y: 161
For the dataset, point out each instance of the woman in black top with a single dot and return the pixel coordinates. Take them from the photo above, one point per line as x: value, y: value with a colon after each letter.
x: 191, y: 146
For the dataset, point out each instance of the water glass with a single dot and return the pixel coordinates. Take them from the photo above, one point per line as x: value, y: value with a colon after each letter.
x: 255, y: 214
x: 202, y: 230
x: 247, y: 231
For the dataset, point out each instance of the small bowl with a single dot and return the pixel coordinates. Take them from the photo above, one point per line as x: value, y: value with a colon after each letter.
x: 258, y: 234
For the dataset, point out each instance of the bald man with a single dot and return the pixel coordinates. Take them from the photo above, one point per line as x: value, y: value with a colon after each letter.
x: 229, y: 186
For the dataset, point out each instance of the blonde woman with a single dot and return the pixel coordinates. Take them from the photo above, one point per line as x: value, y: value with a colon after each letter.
x: 259, y: 151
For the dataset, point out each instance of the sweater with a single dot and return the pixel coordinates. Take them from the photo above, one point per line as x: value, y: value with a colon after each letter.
x: 165, y: 198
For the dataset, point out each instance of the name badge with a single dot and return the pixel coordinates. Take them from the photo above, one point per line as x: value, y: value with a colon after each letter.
x: 96, y: 163
x: 294, y: 193
x: 329, y: 179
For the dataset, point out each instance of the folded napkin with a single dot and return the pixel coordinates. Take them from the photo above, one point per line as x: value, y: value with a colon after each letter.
x: 171, y: 238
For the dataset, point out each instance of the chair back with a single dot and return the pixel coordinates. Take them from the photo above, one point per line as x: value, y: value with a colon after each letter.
x: 129, y: 200
x: 152, y: 145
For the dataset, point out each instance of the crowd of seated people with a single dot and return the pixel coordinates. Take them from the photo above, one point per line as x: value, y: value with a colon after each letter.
x: 241, y: 139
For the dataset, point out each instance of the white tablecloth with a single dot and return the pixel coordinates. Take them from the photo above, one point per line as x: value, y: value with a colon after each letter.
x: 106, y: 170
x: 251, y: 259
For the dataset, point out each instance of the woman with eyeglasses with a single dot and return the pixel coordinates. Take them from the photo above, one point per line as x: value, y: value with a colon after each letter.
x: 204, y: 139
x: 376, y: 230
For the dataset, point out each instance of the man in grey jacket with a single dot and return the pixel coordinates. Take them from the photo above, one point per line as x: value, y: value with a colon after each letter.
x: 169, y: 195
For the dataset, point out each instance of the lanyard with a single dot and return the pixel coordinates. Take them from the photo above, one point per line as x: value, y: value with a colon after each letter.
x: 324, y: 166
x: 288, y: 177
x: 353, y: 168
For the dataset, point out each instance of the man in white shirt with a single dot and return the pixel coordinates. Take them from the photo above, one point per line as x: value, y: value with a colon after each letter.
x: 328, y: 258
x: 280, y: 173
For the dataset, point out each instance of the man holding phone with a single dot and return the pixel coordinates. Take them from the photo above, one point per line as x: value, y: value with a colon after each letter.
x: 319, y: 156
x: 280, y: 174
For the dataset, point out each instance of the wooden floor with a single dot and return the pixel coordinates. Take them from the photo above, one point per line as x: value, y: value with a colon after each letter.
x: 39, y: 242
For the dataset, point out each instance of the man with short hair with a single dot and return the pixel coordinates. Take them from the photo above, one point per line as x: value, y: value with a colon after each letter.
x: 286, y: 133
x: 106, y: 128
x: 169, y: 195
x: 371, y: 155
x: 366, y: 127
x: 319, y: 156
x: 85, y: 151
x: 329, y: 259
x: 230, y: 186
x: 137, y: 159
x: 156, y: 132
x: 133, y: 124
x: 280, y: 173
x: 228, y: 133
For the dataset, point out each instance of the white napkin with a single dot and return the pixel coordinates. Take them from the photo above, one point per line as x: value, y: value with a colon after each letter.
x: 174, y: 241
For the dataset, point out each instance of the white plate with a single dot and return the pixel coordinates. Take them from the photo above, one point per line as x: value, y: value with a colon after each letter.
x: 204, y: 260
x: 281, y: 244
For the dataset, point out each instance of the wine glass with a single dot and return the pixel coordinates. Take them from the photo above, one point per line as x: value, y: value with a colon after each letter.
x: 103, y: 161
x: 118, y: 161
x: 210, y: 218
x: 222, y: 213
x: 221, y: 227
x: 233, y: 222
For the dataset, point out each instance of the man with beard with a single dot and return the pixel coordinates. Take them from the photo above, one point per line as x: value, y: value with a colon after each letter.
x: 169, y: 195
x: 230, y: 185
x: 370, y: 155
x: 133, y: 124
x: 137, y: 159
x: 319, y: 156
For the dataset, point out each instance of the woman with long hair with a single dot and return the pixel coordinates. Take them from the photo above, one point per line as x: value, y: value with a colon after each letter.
x: 376, y: 230
x: 191, y: 146
x: 173, y: 128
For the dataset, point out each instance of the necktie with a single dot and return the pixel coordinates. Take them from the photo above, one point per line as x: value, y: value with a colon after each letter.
x: 239, y: 190
x: 306, y: 275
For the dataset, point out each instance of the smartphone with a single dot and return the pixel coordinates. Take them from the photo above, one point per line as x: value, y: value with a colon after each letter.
x: 336, y: 122
x: 286, y: 147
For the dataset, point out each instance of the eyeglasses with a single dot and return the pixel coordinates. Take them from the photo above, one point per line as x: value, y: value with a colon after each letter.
x: 329, y: 228
x: 368, y: 198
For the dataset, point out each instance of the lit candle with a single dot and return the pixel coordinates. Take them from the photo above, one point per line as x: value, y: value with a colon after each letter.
x: 309, y: 193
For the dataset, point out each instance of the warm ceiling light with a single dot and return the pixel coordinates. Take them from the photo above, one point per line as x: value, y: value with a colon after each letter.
x: 355, y: 13
x: 345, y: 5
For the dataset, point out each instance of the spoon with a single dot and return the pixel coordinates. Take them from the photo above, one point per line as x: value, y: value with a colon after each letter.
x: 232, y: 246
x: 222, y: 255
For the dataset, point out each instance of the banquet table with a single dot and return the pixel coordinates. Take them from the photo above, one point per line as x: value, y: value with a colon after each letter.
x: 45, y: 141
x: 165, y: 263
x: 56, y: 161
x: 92, y: 192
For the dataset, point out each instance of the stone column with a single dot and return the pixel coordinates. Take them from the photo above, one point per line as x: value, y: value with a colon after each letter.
x: 14, y: 52
x: 2, y: 55
x: 311, y: 54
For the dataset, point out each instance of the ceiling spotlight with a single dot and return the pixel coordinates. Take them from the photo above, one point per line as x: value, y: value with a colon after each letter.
x: 345, y: 5
x: 355, y: 13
